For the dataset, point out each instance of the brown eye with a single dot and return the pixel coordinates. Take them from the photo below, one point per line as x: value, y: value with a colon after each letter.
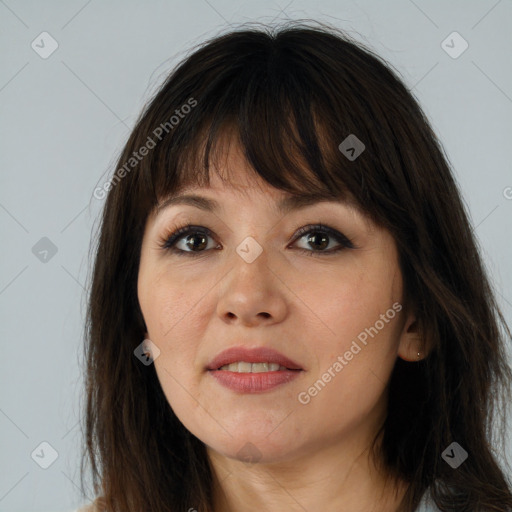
x: 193, y: 240
x: 188, y: 240
x: 319, y: 237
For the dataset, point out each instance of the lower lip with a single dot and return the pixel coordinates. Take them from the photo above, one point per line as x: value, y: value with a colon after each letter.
x: 254, y: 382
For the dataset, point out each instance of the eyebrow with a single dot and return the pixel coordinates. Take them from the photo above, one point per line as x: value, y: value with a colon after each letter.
x: 285, y: 205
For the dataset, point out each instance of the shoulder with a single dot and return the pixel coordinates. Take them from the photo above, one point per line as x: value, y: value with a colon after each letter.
x: 98, y: 505
x: 427, y: 503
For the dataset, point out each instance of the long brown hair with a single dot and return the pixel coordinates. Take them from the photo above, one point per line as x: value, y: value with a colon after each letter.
x: 290, y: 95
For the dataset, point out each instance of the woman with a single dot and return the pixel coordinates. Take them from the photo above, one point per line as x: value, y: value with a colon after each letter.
x: 228, y: 370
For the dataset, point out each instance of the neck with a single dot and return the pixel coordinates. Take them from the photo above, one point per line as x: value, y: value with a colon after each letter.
x: 341, y: 477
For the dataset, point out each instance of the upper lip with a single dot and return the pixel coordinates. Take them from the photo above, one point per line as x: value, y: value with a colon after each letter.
x: 251, y: 355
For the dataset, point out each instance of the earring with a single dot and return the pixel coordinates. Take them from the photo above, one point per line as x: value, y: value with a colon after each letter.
x: 419, y: 354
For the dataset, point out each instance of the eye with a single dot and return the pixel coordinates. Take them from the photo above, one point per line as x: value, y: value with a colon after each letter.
x: 194, y: 240
x: 318, y: 236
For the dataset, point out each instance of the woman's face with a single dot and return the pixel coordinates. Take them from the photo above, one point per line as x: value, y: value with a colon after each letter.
x: 333, y: 319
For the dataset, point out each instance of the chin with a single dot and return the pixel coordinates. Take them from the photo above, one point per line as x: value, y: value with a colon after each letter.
x: 246, y: 446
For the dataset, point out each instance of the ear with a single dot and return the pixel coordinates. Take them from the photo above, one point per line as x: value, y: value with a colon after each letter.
x: 411, y: 342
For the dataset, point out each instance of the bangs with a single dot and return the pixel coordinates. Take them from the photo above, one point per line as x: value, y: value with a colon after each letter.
x: 279, y: 158
x: 287, y: 122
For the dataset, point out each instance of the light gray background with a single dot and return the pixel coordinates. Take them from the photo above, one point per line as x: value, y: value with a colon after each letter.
x: 64, y: 119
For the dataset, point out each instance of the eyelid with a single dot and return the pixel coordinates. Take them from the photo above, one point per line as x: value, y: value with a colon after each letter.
x: 175, y: 233
x: 319, y: 227
x: 171, y: 235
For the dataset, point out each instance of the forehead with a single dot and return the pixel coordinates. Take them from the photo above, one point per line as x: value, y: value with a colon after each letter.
x: 230, y: 177
x: 288, y: 203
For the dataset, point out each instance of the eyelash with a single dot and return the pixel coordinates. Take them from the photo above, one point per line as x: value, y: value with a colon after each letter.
x: 168, y: 242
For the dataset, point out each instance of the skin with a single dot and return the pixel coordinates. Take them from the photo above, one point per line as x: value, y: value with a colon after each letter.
x: 310, y: 456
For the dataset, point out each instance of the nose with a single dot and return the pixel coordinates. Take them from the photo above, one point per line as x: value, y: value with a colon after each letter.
x: 252, y: 293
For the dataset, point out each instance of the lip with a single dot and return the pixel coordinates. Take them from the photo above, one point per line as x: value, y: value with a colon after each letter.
x: 252, y: 355
x: 253, y: 382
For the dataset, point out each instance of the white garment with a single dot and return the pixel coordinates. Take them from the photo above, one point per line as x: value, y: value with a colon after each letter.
x: 427, y: 504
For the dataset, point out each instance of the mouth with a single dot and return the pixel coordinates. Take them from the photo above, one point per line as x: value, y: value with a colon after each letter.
x: 246, y: 367
x: 253, y: 370
x: 255, y: 360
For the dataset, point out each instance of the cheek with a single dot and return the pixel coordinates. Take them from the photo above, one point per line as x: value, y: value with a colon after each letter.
x: 169, y: 310
x: 361, y: 324
x: 165, y: 299
x: 351, y: 375
x: 177, y: 311
x: 352, y: 301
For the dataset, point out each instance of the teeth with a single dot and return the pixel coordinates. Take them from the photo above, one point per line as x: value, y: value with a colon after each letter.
x: 243, y: 367
x: 259, y: 367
